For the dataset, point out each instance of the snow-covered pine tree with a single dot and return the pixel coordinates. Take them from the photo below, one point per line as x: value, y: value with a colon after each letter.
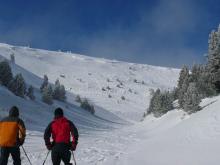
x: 62, y: 93
x: 44, y: 84
x: 5, y: 73
x: 196, y: 72
x: 192, y: 99
x: 17, y: 85
x: 56, y: 92
x: 203, y: 82
x: 154, y: 100
x: 59, y: 92
x: 30, y: 92
x: 161, y: 103
x: 12, y: 58
x: 182, y: 86
x: 47, y: 95
x: 214, y: 58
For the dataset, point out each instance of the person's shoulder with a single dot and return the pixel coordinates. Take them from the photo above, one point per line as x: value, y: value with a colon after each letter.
x: 9, y: 119
x: 4, y: 119
x: 71, y: 123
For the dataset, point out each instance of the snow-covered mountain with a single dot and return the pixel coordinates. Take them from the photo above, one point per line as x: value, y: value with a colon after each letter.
x: 109, y: 137
x: 103, y: 82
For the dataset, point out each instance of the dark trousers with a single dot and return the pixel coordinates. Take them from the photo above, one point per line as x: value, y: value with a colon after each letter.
x: 15, y: 153
x: 60, y: 152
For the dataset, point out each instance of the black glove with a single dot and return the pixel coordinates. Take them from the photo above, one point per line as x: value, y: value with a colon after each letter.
x: 20, y: 142
x: 73, y: 146
x: 49, y: 146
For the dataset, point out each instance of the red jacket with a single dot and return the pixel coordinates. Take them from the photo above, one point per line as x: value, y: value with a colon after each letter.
x: 61, y: 129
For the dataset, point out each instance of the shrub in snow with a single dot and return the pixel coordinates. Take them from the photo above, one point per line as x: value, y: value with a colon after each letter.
x: 47, y: 95
x: 122, y: 97
x: 109, y: 96
x: 44, y: 84
x: 12, y: 58
x: 85, y: 105
x: 30, y: 93
x: 78, y: 99
x: 18, y: 86
x: 59, y: 92
x: 130, y: 90
x: 5, y: 73
x: 62, y: 93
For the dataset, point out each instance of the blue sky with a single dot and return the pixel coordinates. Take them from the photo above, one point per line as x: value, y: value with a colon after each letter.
x: 157, y: 32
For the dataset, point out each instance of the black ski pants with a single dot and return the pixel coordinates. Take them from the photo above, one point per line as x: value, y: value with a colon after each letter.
x: 15, y: 153
x: 60, y: 151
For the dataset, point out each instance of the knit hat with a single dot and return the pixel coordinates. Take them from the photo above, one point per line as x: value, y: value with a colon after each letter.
x: 14, y: 112
x: 58, y: 112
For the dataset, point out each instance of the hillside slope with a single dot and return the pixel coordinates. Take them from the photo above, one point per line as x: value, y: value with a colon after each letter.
x: 103, y: 81
x: 178, y: 139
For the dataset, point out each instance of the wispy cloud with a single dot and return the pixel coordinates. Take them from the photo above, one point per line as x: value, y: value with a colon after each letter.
x: 159, y: 37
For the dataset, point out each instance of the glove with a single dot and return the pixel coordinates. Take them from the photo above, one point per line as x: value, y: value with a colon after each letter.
x: 20, y: 142
x: 73, y: 146
x: 49, y: 146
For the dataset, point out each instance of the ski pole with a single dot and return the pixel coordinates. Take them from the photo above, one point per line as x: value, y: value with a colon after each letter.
x: 26, y: 155
x: 46, y: 157
x: 74, y: 158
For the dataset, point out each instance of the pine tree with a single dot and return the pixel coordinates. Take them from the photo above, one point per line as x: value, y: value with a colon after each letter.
x: 161, y: 103
x: 62, y: 93
x: 44, y: 84
x: 214, y: 58
x: 5, y: 73
x: 56, y: 92
x: 59, y: 91
x: 30, y: 93
x: 18, y: 86
x: 47, y: 95
x: 12, y: 57
x: 183, y: 83
x: 204, y: 83
x: 153, y: 102
x: 183, y: 74
x: 192, y: 99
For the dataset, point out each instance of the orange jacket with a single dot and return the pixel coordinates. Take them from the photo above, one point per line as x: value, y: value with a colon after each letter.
x: 12, y: 132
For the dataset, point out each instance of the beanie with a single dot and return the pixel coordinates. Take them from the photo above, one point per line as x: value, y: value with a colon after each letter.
x: 14, y: 112
x: 58, y: 112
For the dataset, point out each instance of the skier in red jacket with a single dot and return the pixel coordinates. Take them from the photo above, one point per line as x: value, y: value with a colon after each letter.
x: 61, y: 128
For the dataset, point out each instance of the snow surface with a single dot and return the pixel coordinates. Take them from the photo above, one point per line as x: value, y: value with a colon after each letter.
x: 112, y: 137
x: 87, y: 77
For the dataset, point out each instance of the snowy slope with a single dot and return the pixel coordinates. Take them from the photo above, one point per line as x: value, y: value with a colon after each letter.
x: 108, y: 139
x: 96, y: 78
x: 177, y: 139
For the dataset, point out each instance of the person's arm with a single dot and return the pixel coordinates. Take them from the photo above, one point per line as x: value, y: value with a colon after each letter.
x: 75, y: 135
x: 47, y: 135
x: 21, y: 132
